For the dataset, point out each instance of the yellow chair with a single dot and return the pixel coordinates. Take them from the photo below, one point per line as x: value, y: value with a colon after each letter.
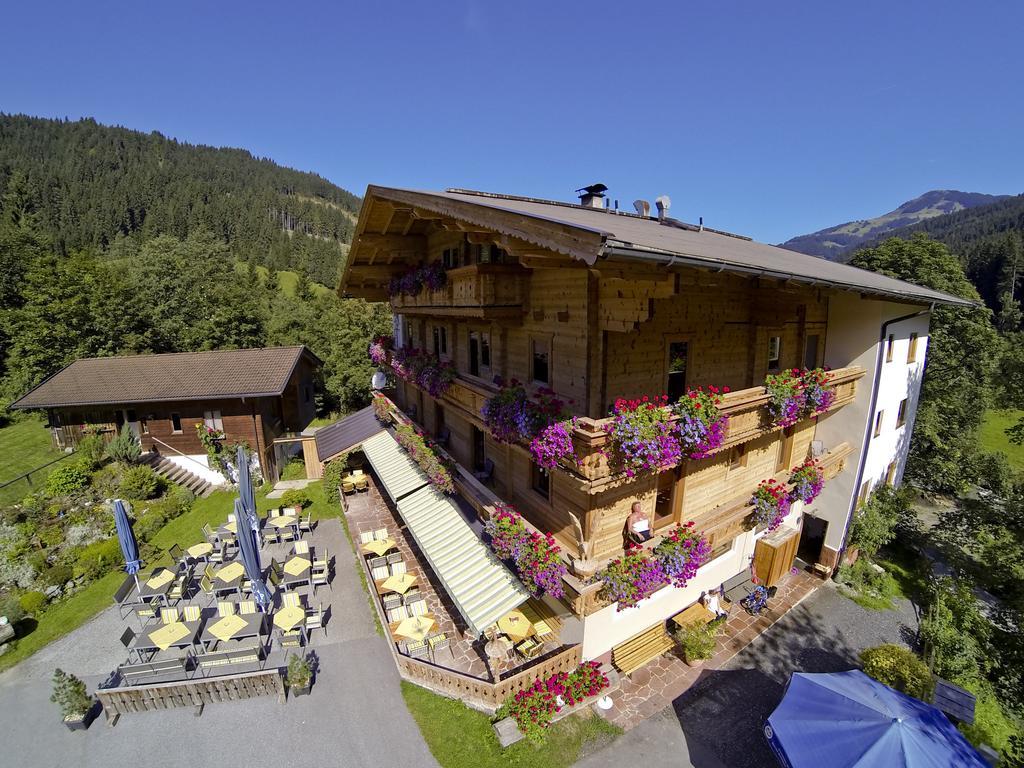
x: 541, y: 630
x: 168, y: 615
x: 291, y: 599
x: 381, y: 534
x: 225, y: 608
x: 193, y: 613
x: 301, y: 547
x: 247, y: 607
x: 348, y: 487
x: 206, y: 584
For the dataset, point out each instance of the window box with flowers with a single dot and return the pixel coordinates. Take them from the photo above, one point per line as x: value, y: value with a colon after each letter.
x: 420, y: 451
x: 771, y: 504
x: 536, y: 707
x: 681, y: 552
x: 795, y: 394
x: 380, y: 350
x: 415, y: 366
x: 643, y: 437
x: 700, y: 425
x: 537, y: 558
x: 631, y: 578
x: 431, y: 276
x: 512, y: 416
x: 807, y: 480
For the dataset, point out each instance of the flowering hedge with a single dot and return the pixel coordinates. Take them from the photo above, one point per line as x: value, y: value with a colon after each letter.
x: 380, y: 349
x: 382, y: 409
x: 420, y: 451
x: 631, y: 578
x: 537, y: 557
x: 416, y: 366
x: 553, y: 444
x: 795, y: 393
x: 701, y: 426
x: 807, y: 480
x: 410, y: 283
x: 642, y: 435
x: 682, y: 552
x: 535, y: 707
x: 771, y: 503
x: 512, y: 416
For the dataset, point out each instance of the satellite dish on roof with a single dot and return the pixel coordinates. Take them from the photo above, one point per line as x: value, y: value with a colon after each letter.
x: 642, y: 207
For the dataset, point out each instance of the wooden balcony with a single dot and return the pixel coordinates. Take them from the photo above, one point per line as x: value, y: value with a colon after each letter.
x: 481, y: 291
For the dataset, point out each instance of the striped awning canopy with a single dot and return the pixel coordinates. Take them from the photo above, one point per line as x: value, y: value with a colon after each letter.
x: 480, y: 586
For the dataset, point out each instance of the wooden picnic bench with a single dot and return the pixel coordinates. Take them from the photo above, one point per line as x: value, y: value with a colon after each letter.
x: 242, y: 655
x: 640, y: 649
x: 695, y: 614
x: 132, y: 673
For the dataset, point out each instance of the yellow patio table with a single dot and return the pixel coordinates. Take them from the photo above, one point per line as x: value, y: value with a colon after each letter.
x: 281, y: 521
x: 159, y: 578
x: 230, y: 572
x: 290, y: 617
x: 297, y: 566
x: 202, y: 549
x: 226, y: 628
x: 379, y: 547
x: 515, y: 625
x: 168, y: 635
x: 399, y: 583
x: 416, y: 628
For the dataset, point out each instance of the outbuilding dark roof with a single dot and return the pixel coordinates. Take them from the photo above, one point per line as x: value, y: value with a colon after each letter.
x: 346, y: 434
x: 170, y: 377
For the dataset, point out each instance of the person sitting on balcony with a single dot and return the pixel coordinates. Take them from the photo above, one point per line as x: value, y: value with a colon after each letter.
x: 711, y: 601
x: 638, y: 524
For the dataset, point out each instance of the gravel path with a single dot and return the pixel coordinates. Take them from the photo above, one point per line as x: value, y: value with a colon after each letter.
x: 718, y: 722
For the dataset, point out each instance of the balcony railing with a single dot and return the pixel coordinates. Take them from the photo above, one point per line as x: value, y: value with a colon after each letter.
x: 747, y: 411
x: 482, y: 291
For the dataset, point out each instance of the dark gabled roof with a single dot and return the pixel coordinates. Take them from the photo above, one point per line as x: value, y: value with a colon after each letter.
x: 346, y: 434
x: 217, y: 375
x: 628, y: 235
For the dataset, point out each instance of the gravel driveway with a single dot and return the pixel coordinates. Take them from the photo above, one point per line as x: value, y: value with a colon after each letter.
x: 717, y: 723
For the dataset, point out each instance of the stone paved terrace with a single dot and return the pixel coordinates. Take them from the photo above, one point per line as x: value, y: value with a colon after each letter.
x: 369, y: 510
x: 653, y: 687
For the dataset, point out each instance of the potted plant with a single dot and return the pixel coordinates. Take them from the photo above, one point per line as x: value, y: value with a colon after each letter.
x: 697, y: 641
x: 300, y: 676
x: 76, y: 705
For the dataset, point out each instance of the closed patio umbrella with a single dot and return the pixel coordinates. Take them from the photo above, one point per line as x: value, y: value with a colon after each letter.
x: 250, y: 553
x: 849, y: 720
x: 245, y: 490
x: 129, y: 548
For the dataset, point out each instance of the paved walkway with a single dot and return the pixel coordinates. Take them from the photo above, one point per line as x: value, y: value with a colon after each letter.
x: 354, y: 717
x: 717, y: 723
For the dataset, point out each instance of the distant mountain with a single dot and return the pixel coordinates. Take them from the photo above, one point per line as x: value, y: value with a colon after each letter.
x: 88, y: 185
x: 833, y: 242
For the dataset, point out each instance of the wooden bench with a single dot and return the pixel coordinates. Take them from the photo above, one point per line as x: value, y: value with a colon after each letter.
x: 695, y: 614
x: 640, y: 649
x: 243, y: 655
x: 132, y: 673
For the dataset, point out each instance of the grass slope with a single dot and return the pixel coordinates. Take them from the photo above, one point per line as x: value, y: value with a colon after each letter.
x: 460, y: 737
x: 186, y: 530
x: 992, y: 436
x: 286, y: 279
x: 24, y: 445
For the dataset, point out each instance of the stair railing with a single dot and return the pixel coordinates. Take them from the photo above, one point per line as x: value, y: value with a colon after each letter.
x: 183, y: 455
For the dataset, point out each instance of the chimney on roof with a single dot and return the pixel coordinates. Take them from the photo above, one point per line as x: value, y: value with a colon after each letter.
x: 663, y: 204
x: 592, y: 196
x: 643, y: 208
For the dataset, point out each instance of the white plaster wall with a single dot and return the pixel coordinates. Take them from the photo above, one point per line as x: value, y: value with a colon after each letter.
x: 198, y: 464
x: 609, y: 627
x: 853, y: 338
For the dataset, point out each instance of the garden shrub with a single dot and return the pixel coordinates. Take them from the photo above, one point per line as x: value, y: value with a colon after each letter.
x: 66, y: 480
x: 56, y: 575
x: 11, y: 608
x: 125, y: 447
x: 295, y: 469
x: 105, y: 480
x: 875, y: 521
x: 140, y: 483
x: 32, y: 602
x: 334, y: 470
x: 37, y: 560
x: 97, y: 559
x: 90, y: 452
x: 993, y: 725
x: 52, y: 536
x: 899, y: 668
x: 296, y: 497
x: 954, y: 633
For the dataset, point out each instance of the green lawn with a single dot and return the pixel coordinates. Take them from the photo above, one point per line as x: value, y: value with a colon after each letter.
x: 286, y: 279
x: 67, y: 615
x: 24, y: 445
x: 460, y: 737
x: 992, y: 436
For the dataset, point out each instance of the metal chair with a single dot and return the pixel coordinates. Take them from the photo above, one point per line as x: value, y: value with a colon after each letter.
x: 365, y: 537
x: 381, y: 534
x: 379, y: 568
x: 417, y: 606
x: 169, y: 615
x: 417, y: 650
x: 175, y: 552
x: 225, y: 608
x: 247, y: 607
x: 439, y: 642
x: 301, y: 547
x: 398, y: 613
x: 398, y: 568
x: 291, y: 600
x: 306, y: 523
x: 390, y: 601
x: 208, y: 534
x: 192, y: 613
x: 315, y: 619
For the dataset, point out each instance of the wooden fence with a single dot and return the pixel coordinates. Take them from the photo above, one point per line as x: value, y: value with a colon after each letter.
x: 482, y: 694
x: 190, y: 693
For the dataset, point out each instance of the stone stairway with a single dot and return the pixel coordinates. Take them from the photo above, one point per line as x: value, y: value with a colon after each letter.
x: 178, y: 474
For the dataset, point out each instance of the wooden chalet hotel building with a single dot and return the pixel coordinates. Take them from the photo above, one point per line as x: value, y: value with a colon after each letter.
x: 258, y: 396
x: 597, y: 305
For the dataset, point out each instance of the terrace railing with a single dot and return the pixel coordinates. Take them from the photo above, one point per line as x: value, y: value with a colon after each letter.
x: 480, y: 290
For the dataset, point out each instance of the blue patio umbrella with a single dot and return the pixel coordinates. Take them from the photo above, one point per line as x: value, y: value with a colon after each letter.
x: 245, y: 490
x: 250, y: 553
x: 849, y: 720
x: 129, y: 548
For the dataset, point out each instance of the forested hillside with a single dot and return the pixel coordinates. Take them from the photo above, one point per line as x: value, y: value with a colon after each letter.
x: 116, y: 242
x: 92, y: 185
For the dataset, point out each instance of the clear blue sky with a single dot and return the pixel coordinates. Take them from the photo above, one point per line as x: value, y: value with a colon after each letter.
x: 769, y: 119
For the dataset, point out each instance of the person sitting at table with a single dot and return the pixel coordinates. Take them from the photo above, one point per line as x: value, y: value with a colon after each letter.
x: 711, y: 601
x: 639, y: 524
